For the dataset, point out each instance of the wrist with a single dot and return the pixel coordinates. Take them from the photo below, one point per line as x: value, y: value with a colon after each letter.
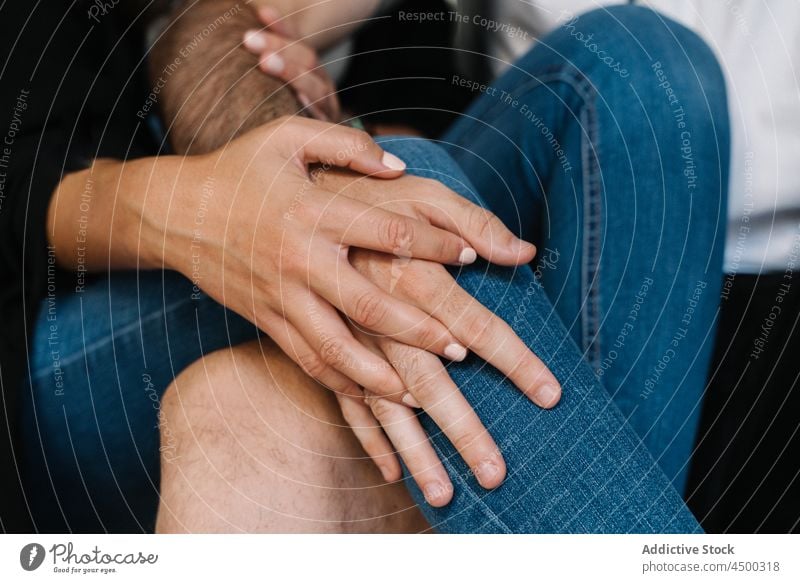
x: 178, y: 216
x: 155, y: 228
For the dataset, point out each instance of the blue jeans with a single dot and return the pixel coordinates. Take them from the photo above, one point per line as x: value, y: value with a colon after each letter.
x: 617, y: 168
x: 585, y: 466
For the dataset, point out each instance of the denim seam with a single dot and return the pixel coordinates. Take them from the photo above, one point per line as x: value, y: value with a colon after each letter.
x: 592, y: 199
x: 592, y: 236
x: 41, y: 373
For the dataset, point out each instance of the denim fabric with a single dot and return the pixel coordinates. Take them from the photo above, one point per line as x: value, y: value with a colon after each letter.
x: 91, y: 408
x: 578, y: 468
x: 621, y: 179
x: 617, y: 168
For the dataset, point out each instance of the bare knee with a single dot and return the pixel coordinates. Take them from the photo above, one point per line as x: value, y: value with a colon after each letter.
x: 250, y: 443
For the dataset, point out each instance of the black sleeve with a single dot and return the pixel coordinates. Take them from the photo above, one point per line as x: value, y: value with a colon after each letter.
x: 40, y: 84
x: 29, y: 180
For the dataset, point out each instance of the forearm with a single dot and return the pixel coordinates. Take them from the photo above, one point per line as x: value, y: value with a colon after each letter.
x: 109, y: 216
x: 211, y: 88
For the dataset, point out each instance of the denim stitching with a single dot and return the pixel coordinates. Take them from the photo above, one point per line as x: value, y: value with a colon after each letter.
x: 592, y: 236
x: 593, y: 207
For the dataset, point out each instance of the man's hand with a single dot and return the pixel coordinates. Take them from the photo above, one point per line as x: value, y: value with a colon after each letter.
x: 380, y: 424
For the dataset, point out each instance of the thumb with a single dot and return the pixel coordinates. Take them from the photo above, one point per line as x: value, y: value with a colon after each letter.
x: 335, y: 145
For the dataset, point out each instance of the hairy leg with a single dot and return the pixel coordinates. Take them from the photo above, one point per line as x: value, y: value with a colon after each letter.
x: 250, y: 443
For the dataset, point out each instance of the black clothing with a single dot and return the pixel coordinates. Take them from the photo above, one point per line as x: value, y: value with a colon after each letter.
x: 71, y: 85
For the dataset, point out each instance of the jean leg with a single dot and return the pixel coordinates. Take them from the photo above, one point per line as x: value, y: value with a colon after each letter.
x: 607, y: 144
x: 577, y: 468
x: 101, y: 360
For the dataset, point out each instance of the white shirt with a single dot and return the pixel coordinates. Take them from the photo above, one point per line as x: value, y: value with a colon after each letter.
x: 758, y: 45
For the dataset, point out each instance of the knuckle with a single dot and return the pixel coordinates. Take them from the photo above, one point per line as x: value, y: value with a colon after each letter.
x: 430, y: 184
x: 426, y: 282
x: 370, y: 310
x: 448, y: 246
x: 466, y: 439
x: 428, y: 334
x: 304, y: 209
x: 293, y: 260
x: 425, y: 391
x: 477, y: 331
x: 458, y: 305
x: 311, y: 364
x: 362, y: 136
x: 360, y: 139
x: 382, y: 409
x: 398, y: 234
x: 415, y: 374
x: 480, y: 221
x: 332, y: 351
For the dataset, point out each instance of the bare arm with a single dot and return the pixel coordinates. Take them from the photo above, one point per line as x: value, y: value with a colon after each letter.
x: 210, y: 88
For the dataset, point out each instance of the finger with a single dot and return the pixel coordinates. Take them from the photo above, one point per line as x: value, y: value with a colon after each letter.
x: 488, y: 336
x: 313, y: 90
x: 334, y: 145
x: 480, y: 227
x: 426, y: 379
x: 286, y: 336
x: 377, y: 311
x: 296, y: 64
x: 371, y: 343
x: 409, y: 439
x: 302, y: 77
x: 312, y: 109
x: 371, y: 437
x: 328, y: 336
x: 265, y: 42
x: 271, y: 18
x: 370, y: 227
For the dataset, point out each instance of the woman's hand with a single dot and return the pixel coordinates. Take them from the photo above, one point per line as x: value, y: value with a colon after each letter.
x: 254, y: 231
x: 283, y: 56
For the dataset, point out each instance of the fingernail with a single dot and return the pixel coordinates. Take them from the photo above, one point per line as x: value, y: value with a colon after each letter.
x: 409, y: 400
x: 255, y: 41
x: 467, y: 256
x: 393, y: 162
x: 548, y: 395
x: 455, y: 352
x: 274, y: 63
x: 486, y: 471
x: 433, y: 492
